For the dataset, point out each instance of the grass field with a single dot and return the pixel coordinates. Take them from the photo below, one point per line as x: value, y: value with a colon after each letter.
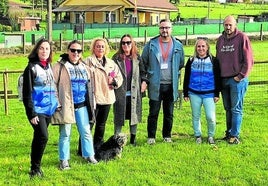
x: 180, y: 163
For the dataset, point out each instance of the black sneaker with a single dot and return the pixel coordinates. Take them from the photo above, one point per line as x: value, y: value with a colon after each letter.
x: 233, y: 140
x: 226, y: 138
x: 36, y: 173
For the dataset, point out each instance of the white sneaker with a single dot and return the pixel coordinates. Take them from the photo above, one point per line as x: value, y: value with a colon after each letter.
x: 168, y: 140
x: 151, y: 141
x: 92, y: 160
x: 211, y: 141
x: 198, y: 140
x: 64, y: 165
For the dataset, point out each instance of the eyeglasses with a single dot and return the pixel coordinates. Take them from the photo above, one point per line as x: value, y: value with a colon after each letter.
x: 75, y: 50
x: 164, y: 27
x: 126, y: 42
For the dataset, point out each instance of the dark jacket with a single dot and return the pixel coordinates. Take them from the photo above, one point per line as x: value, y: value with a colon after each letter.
x: 138, y: 75
x: 202, y: 86
x: 235, y: 55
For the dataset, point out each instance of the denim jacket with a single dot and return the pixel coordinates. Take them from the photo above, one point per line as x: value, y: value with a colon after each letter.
x: 151, y: 58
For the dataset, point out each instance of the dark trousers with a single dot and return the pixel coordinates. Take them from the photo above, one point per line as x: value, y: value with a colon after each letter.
x: 39, y: 142
x: 102, y: 113
x: 165, y: 97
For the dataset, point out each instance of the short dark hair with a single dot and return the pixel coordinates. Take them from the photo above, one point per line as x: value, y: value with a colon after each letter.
x: 164, y: 20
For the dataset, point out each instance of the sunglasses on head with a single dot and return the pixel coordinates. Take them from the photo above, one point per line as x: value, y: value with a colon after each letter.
x: 126, y: 42
x: 75, y: 50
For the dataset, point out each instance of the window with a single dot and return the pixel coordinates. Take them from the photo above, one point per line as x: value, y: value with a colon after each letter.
x: 110, y: 17
x: 79, y: 18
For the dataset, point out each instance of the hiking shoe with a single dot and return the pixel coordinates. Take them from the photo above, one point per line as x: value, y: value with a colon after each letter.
x: 36, y: 173
x: 92, y: 160
x: 233, y: 140
x: 168, y: 140
x: 211, y: 140
x: 198, y: 140
x: 64, y: 165
x: 226, y: 138
x: 151, y: 141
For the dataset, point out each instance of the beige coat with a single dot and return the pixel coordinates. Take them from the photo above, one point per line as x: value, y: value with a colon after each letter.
x: 103, y: 94
x: 66, y: 115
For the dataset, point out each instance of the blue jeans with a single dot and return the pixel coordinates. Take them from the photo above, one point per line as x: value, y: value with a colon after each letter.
x: 233, y: 94
x: 197, y: 100
x: 82, y: 122
x: 166, y: 95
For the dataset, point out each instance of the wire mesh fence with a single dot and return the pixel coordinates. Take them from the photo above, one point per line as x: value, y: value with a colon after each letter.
x: 9, y: 104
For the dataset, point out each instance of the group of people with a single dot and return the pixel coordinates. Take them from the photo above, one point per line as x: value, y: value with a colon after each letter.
x: 80, y: 91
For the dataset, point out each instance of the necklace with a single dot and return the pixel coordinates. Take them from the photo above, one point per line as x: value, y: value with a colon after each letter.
x: 163, y: 51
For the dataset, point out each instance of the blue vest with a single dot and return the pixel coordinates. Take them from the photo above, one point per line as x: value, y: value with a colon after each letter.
x: 44, y: 92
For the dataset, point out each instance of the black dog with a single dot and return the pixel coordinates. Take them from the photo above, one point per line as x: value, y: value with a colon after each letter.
x: 112, y: 148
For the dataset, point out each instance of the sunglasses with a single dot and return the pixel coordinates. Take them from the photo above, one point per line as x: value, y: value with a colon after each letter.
x: 126, y: 42
x: 75, y: 50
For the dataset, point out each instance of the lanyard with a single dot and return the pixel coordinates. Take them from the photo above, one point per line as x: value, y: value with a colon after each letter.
x: 163, y: 51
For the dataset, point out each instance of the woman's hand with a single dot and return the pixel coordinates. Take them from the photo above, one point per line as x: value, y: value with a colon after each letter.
x: 143, y: 86
x: 35, y: 120
x: 216, y: 99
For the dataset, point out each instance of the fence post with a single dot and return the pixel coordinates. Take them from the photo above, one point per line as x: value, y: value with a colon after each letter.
x: 60, y: 41
x: 33, y: 39
x: 145, y: 36
x: 220, y: 23
x: 186, y: 36
x: 261, y: 33
x: 5, y: 74
x: 23, y: 43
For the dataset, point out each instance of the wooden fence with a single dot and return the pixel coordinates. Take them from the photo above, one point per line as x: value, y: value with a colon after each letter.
x: 9, y: 86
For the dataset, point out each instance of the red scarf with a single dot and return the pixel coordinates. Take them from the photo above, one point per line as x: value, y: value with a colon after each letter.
x: 44, y: 63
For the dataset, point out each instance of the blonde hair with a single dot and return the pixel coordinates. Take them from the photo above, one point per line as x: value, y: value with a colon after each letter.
x: 93, y: 44
x: 195, y: 46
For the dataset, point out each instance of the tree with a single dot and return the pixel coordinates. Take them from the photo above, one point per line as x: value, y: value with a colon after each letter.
x: 3, y: 7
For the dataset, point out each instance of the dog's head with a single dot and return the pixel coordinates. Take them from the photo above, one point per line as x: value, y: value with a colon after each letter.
x: 120, y: 139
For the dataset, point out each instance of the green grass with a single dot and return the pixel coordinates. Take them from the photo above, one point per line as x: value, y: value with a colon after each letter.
x: 188, y: 9
x: 180, y: 163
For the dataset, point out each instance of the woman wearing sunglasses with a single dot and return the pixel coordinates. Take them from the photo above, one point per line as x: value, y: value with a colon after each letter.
x: 75, y: 92
x: 128, y: 105
x: 107, y: 78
